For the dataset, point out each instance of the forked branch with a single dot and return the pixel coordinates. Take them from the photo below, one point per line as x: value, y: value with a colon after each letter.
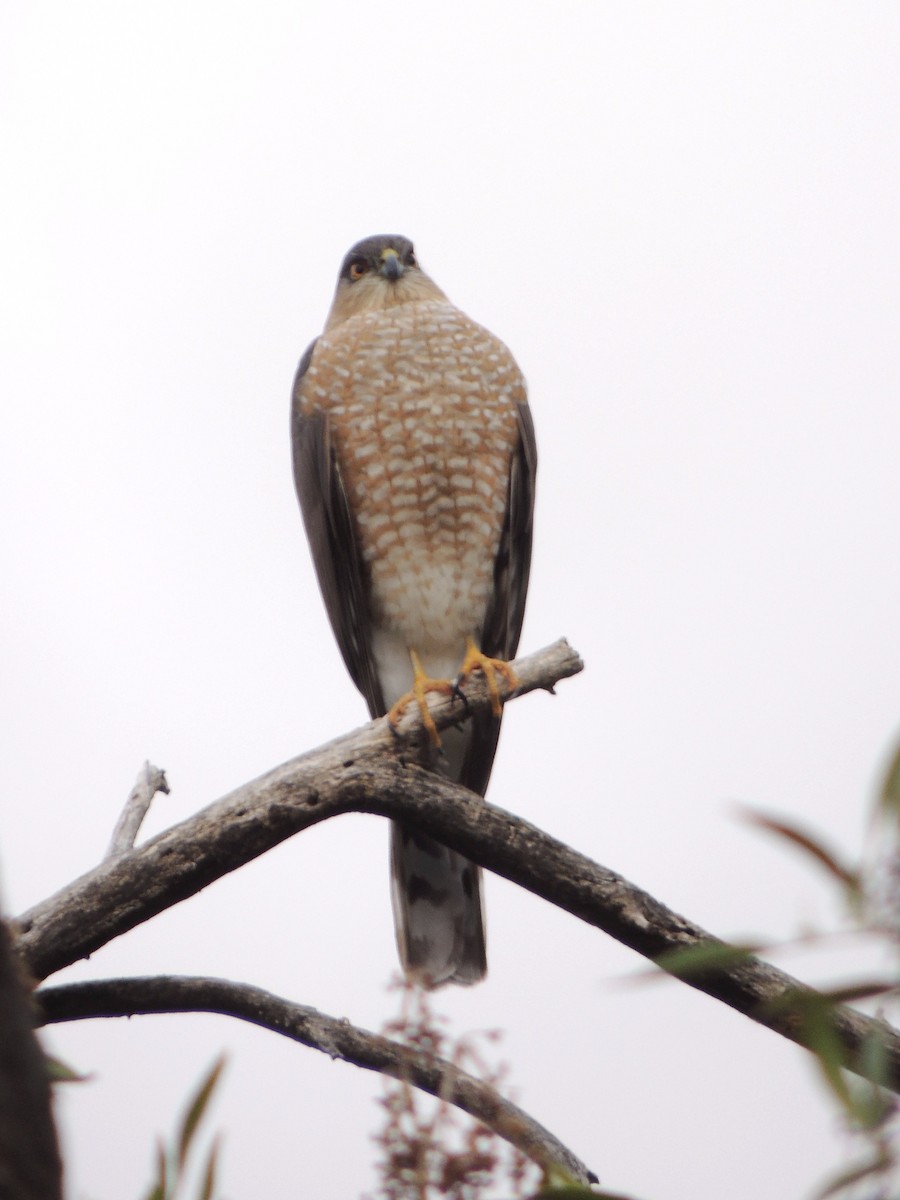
x: 129, y: 889
x: 376, y: 771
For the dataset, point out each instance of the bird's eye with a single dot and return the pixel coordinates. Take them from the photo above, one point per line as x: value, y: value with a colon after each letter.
x: 358, y: 268
x: 411, y: 259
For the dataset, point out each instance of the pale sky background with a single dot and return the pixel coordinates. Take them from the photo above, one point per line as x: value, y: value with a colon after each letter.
x: 683, y: 219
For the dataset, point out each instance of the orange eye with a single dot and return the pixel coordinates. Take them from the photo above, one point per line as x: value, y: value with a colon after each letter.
x: 357, y: 268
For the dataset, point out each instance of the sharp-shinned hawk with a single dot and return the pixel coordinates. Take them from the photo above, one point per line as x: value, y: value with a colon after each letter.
x: 414, y: 461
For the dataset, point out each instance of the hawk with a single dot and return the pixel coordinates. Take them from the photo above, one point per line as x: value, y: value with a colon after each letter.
x: 414, y: 461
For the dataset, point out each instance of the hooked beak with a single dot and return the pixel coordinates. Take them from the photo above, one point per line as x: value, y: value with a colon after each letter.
x: 391, y: 265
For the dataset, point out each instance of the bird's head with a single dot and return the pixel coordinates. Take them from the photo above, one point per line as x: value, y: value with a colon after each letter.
x: 377, y: 273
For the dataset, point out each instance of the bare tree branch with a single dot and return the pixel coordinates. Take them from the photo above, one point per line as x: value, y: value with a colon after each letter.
x: 150, y: 780
x: 375, y: 771
x: 123, y: 892
x: 335, y: 1037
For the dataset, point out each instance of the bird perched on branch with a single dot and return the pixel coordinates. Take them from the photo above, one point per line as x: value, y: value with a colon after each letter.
x: 414, y: 461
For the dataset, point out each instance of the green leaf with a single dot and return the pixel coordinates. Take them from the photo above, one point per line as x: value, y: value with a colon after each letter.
x: 815, y: 1015
x: 873, y: 1166
x: 196, y: 1109
x: 575, y: 1191
x: 865, y: 1103
x: 890, y: 788
x: 556, y: 1177
x: 209, y: 1173
x: 705, y: 956
x: 810, y: 845
x: 158, y: 1187
x: 558, y: 1184
x: 874, y: 1058
x: 863, y: 990
x: 822, y: 1039
x: 60, y: 1072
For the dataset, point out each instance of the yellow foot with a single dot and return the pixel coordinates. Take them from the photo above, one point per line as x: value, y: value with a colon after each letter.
x: 490, y: 668
x: 422, y: 685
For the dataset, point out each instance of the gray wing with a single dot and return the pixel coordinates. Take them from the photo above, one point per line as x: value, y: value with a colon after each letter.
x: 343, y: 576
x: 506, y: 609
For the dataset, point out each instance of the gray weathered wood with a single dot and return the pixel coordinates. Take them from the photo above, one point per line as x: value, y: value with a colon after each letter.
x: 150, y: 780
x: 334, y: 1037
x: 125, y: 891
x: 376, y: 771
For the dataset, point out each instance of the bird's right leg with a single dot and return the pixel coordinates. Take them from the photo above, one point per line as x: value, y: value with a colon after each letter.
x: 422, y: 685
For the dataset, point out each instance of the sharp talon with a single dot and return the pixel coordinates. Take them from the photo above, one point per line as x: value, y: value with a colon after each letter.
x: 458, y: 694
x: 422, y: 685
x: 490, y: 668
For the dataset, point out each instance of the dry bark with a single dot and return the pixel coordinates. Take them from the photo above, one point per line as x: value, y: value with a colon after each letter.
x: 378, y: 771
x: 334, y: 1037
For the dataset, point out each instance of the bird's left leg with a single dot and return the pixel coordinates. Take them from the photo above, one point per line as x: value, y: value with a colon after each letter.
x: 490, y: 668
x: 422, y: 685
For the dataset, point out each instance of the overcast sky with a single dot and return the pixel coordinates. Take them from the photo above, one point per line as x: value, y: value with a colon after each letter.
x: 683, y: 220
